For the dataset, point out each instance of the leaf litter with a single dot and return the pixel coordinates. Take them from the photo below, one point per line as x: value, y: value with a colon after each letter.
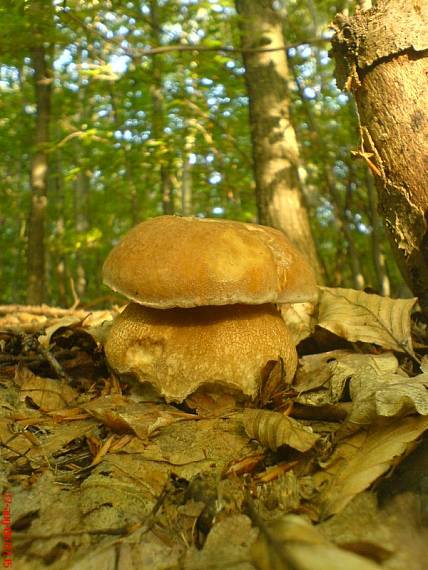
x: 101, y: 470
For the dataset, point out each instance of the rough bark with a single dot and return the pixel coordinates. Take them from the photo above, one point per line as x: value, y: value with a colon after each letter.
x: 39, y: 177
x: 275, y: 149
x: 382, y: 57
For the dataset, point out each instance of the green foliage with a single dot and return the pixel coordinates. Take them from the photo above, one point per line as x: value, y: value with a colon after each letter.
x: 105, y: 162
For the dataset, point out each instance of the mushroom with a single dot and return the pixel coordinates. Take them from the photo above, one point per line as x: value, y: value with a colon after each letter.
x: 202, y: 314
x: 179, y: 350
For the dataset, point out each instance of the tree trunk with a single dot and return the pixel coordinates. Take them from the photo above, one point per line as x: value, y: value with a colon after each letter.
x: 81, y: 209
x: 82, y: 184
x: 275, y: 150
x: 39, y: 177
x: 186, y: 174
x: 381, y: 56
x: 341, y: 220
x: 59, y: 273
x: 383, y: 284
x: 158, y: 113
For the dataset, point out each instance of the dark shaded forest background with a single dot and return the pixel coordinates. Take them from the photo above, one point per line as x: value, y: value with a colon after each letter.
x: 147, y: 114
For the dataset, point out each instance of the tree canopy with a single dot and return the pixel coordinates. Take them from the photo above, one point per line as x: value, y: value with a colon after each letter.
x: 149, y: 115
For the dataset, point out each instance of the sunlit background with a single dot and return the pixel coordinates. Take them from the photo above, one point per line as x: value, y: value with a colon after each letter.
x: 126, y: 124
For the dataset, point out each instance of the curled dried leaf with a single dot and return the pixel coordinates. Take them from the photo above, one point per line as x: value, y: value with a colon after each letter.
x: 273, y: 381
x: 65, y: 322
x: 273, y: 430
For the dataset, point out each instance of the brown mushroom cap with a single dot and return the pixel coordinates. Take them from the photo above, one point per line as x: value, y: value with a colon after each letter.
x: 188, y: 262
x: 179, y: 350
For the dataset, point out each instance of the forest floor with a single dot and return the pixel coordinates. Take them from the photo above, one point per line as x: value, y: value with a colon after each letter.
x: 328, y: 472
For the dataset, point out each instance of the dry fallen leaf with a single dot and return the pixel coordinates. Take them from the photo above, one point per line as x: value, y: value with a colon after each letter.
x: 360, y: 459
x: 143, y: 419
x: 273, y: 382
x: 45, y: 339
x: 227, y: 546
x: 389, y: 531
x: 323, y: 378
x: 358, y: 316
x: 316, y: 370
x: 211, y: 404
x: 100, y: 332
x: 293, y: 543
x: 299, y: 318
x: 21, y: 440
x: 46, y: 393
x: 387, y: 395
x: 273, y: 430
x: 403, y: 397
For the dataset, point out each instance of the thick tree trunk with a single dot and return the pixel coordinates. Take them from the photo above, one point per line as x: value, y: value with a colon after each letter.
x: 382, y: 57
x: 39, y: 177
x: 275, y: 150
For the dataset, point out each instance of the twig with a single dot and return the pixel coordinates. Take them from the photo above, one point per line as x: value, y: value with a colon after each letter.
x: 76, y: 298
x: 42, y: 310
x: 55, y: 365
x: 141, y: 52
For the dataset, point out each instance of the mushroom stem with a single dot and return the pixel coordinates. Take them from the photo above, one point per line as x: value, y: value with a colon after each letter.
x: 180, y: 350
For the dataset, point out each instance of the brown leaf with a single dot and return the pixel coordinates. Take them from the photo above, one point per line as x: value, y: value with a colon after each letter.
x: 273, y: 381
x: 335, y: 366
x: 362, y: 458
x: 46, y: 393
x: 323, y: 378
x: 388, y: 395
x: 211, y: 403
x: 291, y: 542
x: 227, y: 545
x: 122, y: 415
x: 359, y: 316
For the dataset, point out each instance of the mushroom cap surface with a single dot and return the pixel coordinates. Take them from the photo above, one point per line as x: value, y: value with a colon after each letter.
x: 180, y: 350
x: 171, y: 261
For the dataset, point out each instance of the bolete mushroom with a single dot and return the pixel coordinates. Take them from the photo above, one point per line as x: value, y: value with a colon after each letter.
x: 203, y: 310
x: 179, y: 350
